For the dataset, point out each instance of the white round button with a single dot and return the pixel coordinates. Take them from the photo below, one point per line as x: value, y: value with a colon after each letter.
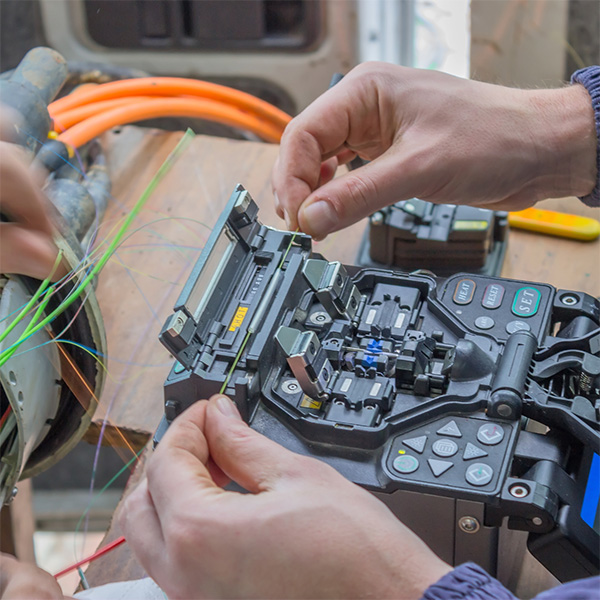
x: 445, y: 447
x: 517, y: 326
x: 406, y: 464
x: 484, y: 322
x: 490, y: 434
x: 479, y: 474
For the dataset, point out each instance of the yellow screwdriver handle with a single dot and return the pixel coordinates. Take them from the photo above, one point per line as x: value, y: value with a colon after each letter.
x: 555, y: 223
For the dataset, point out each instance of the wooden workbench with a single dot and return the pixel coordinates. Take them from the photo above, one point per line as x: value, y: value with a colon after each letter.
x: 138, y: 288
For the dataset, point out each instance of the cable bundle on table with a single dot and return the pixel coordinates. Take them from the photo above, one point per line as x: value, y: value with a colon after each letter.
x: 91, y: 110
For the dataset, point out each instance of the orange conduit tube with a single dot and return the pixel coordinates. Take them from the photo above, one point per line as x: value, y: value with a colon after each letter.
x: 86, y: 130
x: 171, y: 86
x: 64, y: 120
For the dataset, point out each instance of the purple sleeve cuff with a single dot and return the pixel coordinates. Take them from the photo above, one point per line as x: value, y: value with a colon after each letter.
x: 467, y: 582
x: 471, y: 582
x: 582, y: 589
x: 589, y: 78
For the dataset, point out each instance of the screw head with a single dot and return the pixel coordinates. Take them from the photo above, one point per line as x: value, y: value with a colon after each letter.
x: 537, y: 521
x: 469, y: 524
x: 569, y: 299
x: 518, y: 491
x: 319, y: 318
x: 290, y: 386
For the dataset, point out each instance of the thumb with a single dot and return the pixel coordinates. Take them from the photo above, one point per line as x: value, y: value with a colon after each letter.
x: 247, y: 457
x: 27, y: 252
x: 180, y: 462
x: 357, y: 194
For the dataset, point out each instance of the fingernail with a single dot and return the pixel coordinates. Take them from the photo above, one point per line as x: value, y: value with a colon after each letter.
x: 287, y: 219
x: 320, y: 218
x: 227, y: 407
x: 277, y: 203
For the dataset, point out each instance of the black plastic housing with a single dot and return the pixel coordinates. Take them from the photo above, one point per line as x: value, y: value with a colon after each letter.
x: 415, y: 388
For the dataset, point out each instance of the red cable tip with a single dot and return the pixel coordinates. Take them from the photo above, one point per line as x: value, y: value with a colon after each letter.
x: 5, y: 415
x: 93, y: 557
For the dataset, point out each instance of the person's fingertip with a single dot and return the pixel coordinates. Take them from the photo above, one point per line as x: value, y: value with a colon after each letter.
x: 279, y: 210
x: 226, y: 407
x: 286, y: 218
x: 318, y: 219
x: 40, y: 262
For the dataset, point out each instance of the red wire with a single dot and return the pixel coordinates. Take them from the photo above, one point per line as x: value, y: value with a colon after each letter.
x: 5, y: 416
x: 93, y: 557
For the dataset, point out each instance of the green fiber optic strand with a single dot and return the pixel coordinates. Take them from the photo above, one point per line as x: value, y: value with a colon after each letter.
x: 162, y: 171
x: 38, y: 313
x: 106, y: 486
x: 235, y: 362
x: 288, y: 249
x: 250, y: 330
x: 131, y: 233
x: 10, y: 351
x: 33, y: 299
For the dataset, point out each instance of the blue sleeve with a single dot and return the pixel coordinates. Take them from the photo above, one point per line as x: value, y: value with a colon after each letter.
x: 589, y: 78
x: 471, y: 582
x: 467, y: 582
x: 582, y: 589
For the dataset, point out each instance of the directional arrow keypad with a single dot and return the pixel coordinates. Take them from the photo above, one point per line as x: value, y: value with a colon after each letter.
x: 450, y: 429
x: 472, y: 451
x: 417, y: 443
x: 438, y: 467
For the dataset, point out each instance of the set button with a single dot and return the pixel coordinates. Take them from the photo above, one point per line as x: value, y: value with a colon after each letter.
x: 444, y: 448
x: 490, y: 434
x: 479, y: 474
x: 406, y: 464
x: 526, y: 302
x: 464, y: 291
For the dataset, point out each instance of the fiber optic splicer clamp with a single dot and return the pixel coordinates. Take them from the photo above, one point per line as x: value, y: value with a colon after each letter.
x: 469, y: 406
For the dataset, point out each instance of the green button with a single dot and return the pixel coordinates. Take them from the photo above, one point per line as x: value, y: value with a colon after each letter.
x: 406, y: 464
x: 526, y: 302
x: 178, y: 368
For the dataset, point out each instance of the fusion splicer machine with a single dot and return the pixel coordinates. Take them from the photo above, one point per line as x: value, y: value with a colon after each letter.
x: 461, y: 405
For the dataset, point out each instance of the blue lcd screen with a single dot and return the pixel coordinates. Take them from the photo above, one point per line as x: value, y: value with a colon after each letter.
x: 590, y: 512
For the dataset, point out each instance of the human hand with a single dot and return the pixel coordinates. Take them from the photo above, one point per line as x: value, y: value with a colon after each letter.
x: 26, y: 245
x: 435, y: 137
x: 19, y: 580
x: 303, y: 531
